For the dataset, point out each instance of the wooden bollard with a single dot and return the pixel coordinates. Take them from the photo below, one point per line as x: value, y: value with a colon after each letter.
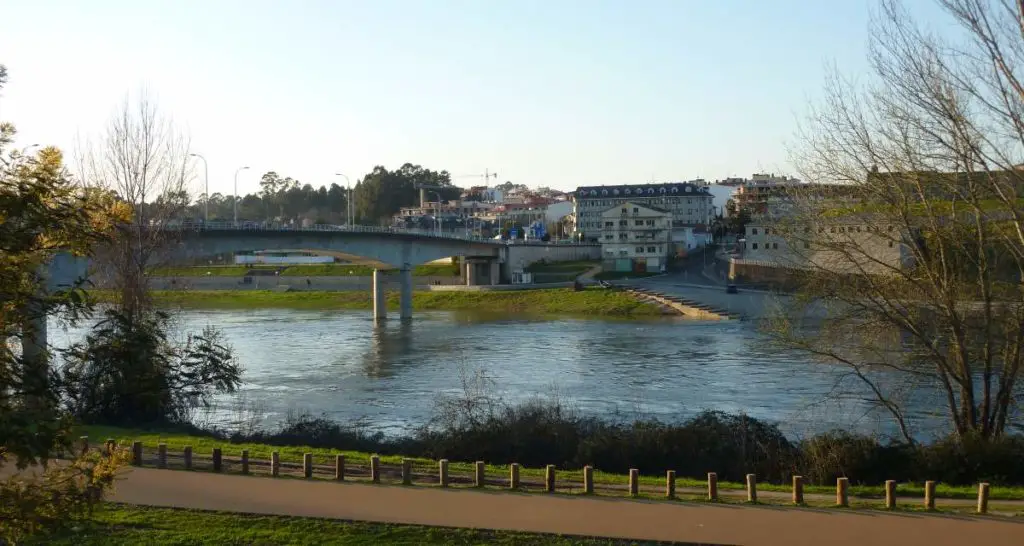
x: 513, y: 476
x: 275, y: 464
x: 83, y: 445
x: 982, y: 498
x: 442, y: 469
x: 712, y: 486
x: 670, y: 484
x: 588, y: 480
x: 634, y: 482
x: 374, y: 468
x: 339, y: 468
x: 842, y: 492
x: 479, y: 475
x: 245, y: 461
x: 307, y: 465
x: 406, y: 471
x: 890, y: 494
x: 549, y: 478
x: 187, y: 455
x: 161, y: 456
x: 137, y: 453
x: 218, y: 463
x: 798, y: 489
x: 751, y: 488
x: 111, y: 445
x: 929, y: 495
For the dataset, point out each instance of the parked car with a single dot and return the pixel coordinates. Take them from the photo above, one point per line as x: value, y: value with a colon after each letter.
x: 731, y: 289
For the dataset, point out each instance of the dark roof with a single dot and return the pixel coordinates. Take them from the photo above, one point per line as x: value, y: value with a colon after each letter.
x: 642, y: 190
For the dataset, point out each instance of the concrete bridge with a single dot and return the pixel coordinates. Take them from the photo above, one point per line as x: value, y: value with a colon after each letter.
x: 486, y: 261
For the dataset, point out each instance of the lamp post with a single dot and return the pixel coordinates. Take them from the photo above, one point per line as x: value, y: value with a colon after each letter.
x: 206, y: 183
x: 437, y: 212
x: 235, y: 200
x: 348, y: 199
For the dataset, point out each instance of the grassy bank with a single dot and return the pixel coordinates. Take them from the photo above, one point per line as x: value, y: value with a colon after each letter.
x: 129, y: 525
x: 313, y: 270
x: 595, y: 302
x: 204, y: 445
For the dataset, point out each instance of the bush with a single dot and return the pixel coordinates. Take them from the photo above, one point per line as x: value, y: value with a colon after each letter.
x: 126, y: 371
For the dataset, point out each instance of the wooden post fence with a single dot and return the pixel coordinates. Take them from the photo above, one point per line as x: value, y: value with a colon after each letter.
x: 137, y: 453
x: 670, y: 484
x: 307, y: 465
x: 712, y: 486
x: 442, y: 467
x: 83, y: 445
x: 798, y: 489
x: 588, y: 480
x: 245, y: 461
x: 982, y: 498
x: 549, y: 478
x: 406, y: 471
x: 842, y: 492
x: 339, y: 467
x: 479, y: 475
x: 929, y: 495
x: 187, y: 455
x: 890, y: 494
x: 634, y: 482
x: 161, y: 456
x: 275, y: 464
x: 375, y: 468
x: 218, y: 463
x: 513, y: 476
x: 751, y: 488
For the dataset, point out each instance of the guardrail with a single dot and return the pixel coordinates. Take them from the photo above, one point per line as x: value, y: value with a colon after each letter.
x: 262, y: 227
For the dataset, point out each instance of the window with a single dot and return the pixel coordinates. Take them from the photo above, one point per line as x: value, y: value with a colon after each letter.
x: 651, y: 250
x: 753, y: 231
x: 767, y: 231
x: 609, y: 224
x: 639, y: 250
x: 609, y: 237
x: 754, y: 246
x: 636, y: 210
x: 775, y: 246
x: 639, y: 222
x: 623, y: 223
x: 623, y: 211
x: 623, y: 236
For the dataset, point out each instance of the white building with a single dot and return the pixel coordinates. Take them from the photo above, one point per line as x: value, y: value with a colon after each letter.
x: 688, y: 203
x: 635, y: 237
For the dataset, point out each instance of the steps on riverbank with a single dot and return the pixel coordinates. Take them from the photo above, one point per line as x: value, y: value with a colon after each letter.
x: 683, y: 306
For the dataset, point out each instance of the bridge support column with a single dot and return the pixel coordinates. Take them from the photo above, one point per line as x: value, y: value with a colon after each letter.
x: 471, y: 273
x: 406, y: 295
x: 495, y: 272
x: 380, y: 302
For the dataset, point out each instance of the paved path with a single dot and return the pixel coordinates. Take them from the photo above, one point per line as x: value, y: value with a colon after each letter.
x: 693, y: 523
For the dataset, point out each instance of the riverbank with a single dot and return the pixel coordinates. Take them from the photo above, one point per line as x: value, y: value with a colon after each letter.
x: 309, y: 270
x: 593, y: 301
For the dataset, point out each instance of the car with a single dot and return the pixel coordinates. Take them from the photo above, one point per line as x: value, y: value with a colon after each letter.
x: 731, y: 289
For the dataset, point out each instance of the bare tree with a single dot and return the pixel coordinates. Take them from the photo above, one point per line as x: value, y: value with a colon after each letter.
x: 909, y: 269
x: 143, y: 157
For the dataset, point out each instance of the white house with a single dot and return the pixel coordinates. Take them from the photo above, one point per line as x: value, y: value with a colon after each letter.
x: 635, y: 237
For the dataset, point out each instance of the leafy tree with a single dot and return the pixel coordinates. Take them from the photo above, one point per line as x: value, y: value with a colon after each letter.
x: 127, y: 372
x: 381, y: 193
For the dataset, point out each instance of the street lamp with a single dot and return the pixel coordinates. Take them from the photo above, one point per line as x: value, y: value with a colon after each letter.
x: 206, y: 182
x: 437, y: 212
x: 348, y: 200
x: 235, y: 200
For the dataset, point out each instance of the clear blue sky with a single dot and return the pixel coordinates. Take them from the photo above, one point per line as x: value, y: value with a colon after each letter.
x: 557, y: 92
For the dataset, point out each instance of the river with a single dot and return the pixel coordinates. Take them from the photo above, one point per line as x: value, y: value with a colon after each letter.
x: 389, y: 378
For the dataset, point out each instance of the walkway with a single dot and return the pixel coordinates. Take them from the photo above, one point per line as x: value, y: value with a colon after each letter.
x: 685, y: 522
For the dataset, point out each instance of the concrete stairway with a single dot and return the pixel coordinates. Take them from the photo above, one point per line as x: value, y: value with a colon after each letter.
x: 683, y: 305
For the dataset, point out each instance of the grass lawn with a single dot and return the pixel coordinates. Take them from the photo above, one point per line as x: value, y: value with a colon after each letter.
x: 129, y: 525
x: 594, y: 301
x: 312, y: 270
x: 205, y: 445
x: 616, y: 275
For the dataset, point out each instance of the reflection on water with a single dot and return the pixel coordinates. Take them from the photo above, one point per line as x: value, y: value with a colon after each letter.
x: 340, y: 364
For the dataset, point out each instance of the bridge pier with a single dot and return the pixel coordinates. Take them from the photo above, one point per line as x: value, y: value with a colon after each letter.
x: 380, y: 302
x: 406, y: 295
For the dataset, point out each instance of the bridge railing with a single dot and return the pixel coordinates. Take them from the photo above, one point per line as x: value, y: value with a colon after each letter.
x: 273, y: 227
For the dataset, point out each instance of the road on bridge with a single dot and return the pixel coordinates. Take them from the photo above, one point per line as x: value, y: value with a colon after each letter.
x: 619, y: 518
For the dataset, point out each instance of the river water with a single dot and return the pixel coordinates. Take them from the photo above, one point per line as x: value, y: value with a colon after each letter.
x: 389, y: 378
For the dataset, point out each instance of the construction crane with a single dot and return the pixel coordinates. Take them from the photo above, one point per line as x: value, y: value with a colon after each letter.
x: 487, y: 176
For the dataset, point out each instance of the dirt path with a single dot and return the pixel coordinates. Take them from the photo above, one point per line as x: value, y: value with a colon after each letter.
x: 692, y: 523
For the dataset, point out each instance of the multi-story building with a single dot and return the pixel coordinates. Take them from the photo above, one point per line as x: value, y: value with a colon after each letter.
x: 690, y: 204
x: 756, y: 194
x: 635, y: 237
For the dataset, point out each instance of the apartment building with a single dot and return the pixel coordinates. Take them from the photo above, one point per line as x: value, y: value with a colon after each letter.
x: 635, y: 237
x: 688, y: 203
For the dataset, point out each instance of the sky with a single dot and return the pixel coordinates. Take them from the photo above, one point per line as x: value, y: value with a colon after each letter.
x: 557, y: 93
